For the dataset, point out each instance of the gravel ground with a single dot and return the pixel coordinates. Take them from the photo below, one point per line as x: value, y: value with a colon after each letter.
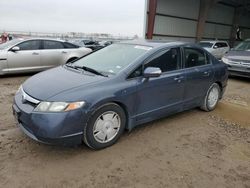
x: 190, y: 149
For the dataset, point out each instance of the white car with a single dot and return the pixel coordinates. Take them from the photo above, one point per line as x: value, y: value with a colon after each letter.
x: 217, y: 48
x: 34, y: 55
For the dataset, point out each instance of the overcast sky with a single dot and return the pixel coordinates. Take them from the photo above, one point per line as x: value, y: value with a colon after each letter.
x: 124, y: 17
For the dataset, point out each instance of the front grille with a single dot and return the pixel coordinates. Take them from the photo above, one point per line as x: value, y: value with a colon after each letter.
x: 28, y: 99
x: 239, y: 61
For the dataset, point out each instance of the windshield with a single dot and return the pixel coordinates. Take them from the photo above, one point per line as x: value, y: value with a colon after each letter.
x: 9, y: 44
x: 206, y: 44
x: 112, y: 59
x: 243, y: 46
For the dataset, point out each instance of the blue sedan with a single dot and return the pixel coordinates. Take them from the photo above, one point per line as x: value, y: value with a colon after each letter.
x: 95, y: 98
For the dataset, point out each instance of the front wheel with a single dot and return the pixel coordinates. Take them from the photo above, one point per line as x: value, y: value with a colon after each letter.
x: 212, y: 98
x: 105, y: 126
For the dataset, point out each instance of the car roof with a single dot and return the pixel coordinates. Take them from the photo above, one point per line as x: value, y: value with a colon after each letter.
x: 213, y: 41
x: 26, y: 39
x: 153, y: 43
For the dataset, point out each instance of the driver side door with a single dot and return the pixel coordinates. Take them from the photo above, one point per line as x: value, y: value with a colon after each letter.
x: 26, y: 59
x: 160, y: 96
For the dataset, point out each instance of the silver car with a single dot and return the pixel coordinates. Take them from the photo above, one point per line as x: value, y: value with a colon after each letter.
x: 217, y: 48
x: 33, y: 55
x: 238, y: 59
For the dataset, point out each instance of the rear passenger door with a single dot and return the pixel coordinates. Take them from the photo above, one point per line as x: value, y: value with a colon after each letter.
x: 199, y: 75
x: 52, y: 53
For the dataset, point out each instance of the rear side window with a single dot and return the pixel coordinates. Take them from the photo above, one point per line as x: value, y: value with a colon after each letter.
x: 194, y: 57
x: 49, y: 44
x: 224, y: 44
x: 30, y: 45
x: 69, y: 45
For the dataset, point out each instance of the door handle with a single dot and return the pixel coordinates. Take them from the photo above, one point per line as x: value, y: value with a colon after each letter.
x: 64, y: 52
x: 206, y: 73
x: 178, y: 78
x: 35, y: 53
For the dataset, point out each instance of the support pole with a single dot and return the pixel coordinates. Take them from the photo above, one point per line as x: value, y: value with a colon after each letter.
x: 234, y: 26
x: 205, y: 6
x: 151, y: 18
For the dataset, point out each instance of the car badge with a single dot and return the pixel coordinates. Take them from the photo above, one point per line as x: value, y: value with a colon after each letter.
x: 24, y: 96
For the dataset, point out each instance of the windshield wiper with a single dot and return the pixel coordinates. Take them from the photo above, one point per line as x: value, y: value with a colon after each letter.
x: 86, y: 69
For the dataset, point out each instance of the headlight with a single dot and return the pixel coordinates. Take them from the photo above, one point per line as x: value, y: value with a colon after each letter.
x: 225, y: 60
x: 58, y: 106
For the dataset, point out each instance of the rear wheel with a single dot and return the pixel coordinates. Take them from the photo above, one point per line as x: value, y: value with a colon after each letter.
x: 212, y: 97
x: 105, y: 126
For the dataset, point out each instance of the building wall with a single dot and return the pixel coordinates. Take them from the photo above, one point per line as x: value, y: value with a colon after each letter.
x: 219, y: 22
x: 177, y: 20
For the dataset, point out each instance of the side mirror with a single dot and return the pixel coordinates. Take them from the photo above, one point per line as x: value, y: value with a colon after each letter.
x: 15, y: 49
x: 152, y: 72
x: 215, y: 47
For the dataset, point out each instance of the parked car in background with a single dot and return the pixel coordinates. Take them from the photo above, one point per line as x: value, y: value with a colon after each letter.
x: 217, y: 48
x: 33, y: 55
x: 105, y: 43
x: 238, y: 59
x: 94, y: 45
x: 95, y: 98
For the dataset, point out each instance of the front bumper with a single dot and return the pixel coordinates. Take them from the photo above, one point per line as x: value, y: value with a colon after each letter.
x: 235, y: 71
x: 64, y: 128
x: 239, y: 69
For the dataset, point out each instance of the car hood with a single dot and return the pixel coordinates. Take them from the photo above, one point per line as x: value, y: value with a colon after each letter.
x: 50, y: 83
x: 238, y: 55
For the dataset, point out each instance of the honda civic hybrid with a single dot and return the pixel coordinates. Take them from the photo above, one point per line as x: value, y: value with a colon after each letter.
x: 94, y: 99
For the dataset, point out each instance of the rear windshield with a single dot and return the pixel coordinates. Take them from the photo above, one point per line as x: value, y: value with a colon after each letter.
x: 206, y: 44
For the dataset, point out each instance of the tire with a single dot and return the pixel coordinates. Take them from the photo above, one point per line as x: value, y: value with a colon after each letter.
x: 105, y: 126
x: 212, y: 98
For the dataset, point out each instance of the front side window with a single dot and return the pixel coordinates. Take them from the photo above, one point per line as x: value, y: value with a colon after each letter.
x: 114, y: 58
x: 194, y: 57
x: 221, y: 44
x: 49, y: 44
x: 30, y: 45
x: 217, y: 45
x: 167, y: 60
